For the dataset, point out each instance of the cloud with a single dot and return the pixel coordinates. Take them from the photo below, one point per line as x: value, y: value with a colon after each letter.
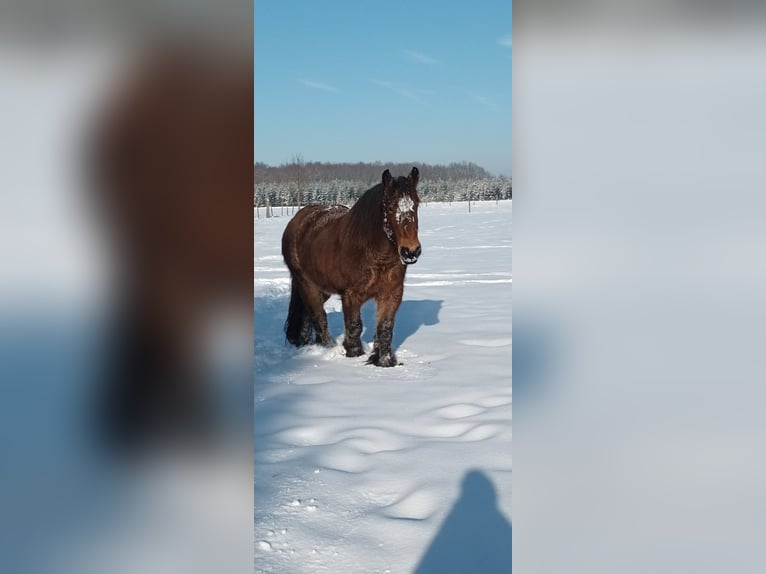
x: 421, y: 57
x: 505, y: 41
x: 483, y: 100
x: 407, y: 92
x: 319, y: 86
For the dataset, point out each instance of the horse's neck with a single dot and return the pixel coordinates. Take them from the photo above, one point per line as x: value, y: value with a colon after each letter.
x: 368, y: 229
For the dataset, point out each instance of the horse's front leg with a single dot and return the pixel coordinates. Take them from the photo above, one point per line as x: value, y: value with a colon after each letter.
x: 382, y: 356
x: 352, y: 342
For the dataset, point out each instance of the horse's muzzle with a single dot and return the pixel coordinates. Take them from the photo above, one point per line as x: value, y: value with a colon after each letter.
x: 409, y: 257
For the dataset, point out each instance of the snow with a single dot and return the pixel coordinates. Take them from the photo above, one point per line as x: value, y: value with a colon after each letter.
x: 406, y: 469
x: 404, y: 208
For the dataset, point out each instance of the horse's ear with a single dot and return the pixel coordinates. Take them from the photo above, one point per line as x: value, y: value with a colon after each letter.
x: 387, y: 179
x: 414, y: 176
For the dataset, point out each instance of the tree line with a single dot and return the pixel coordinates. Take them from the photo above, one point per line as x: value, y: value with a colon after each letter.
x: 299, y: 183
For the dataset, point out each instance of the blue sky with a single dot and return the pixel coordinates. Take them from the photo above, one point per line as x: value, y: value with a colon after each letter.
x: 417, y: 81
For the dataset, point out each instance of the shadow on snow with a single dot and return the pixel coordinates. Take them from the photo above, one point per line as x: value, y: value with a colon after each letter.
x: 475, y: 537
x: 409, y: 318
x: 276, y: 362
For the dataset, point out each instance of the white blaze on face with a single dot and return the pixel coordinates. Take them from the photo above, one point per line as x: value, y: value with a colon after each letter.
x: 404, y: 209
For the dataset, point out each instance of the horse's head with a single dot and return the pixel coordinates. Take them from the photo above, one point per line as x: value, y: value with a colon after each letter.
x: 400, y: 209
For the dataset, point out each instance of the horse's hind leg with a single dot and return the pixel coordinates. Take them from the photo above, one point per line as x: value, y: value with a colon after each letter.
x: 352, y: 318
x: 306, y: 329
x: 298, y: 325
x: 327, y: 340
x: 314, y: 299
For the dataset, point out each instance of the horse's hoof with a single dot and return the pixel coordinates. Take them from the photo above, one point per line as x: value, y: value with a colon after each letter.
x: 354, y: 351
x: 384, y: 361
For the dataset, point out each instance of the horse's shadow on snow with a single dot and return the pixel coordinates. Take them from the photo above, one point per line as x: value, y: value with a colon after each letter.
x: 409, y: 318
x: 474, y: 537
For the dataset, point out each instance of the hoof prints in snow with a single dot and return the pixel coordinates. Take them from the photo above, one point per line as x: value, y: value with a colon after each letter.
x: 482, y: 433
x: 375, y: 440
x: 462, y: 432
x: 344, y: 459
x: 495, y: 401
x: 448, y: 431
x: 418, y: 505
x: 459, y: 411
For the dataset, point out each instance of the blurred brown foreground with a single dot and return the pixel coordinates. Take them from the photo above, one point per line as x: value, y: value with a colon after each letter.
x: 126, y: 301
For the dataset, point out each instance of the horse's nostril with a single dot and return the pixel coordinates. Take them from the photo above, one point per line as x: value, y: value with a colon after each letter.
x: 407, y: 253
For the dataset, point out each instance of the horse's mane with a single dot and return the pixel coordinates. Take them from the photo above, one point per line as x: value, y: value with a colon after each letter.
x: 366, y: 216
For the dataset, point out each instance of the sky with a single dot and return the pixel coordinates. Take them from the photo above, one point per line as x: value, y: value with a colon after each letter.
x: 397, y: 81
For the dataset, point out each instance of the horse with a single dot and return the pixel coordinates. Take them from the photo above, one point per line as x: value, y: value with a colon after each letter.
x: 359, y: 253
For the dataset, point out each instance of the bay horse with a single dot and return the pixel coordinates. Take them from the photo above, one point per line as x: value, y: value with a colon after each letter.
x: 359, y: 253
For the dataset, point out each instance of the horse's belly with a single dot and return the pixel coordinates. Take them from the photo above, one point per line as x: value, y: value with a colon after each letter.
x: 321, y: 267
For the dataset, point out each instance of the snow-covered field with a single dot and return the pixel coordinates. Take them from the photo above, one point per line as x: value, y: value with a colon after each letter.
x: 360, y: 469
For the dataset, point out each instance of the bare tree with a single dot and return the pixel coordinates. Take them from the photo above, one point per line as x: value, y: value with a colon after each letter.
x: 298, y: 165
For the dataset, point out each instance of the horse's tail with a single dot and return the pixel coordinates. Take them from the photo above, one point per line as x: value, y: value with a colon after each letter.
x: 297, y: 318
